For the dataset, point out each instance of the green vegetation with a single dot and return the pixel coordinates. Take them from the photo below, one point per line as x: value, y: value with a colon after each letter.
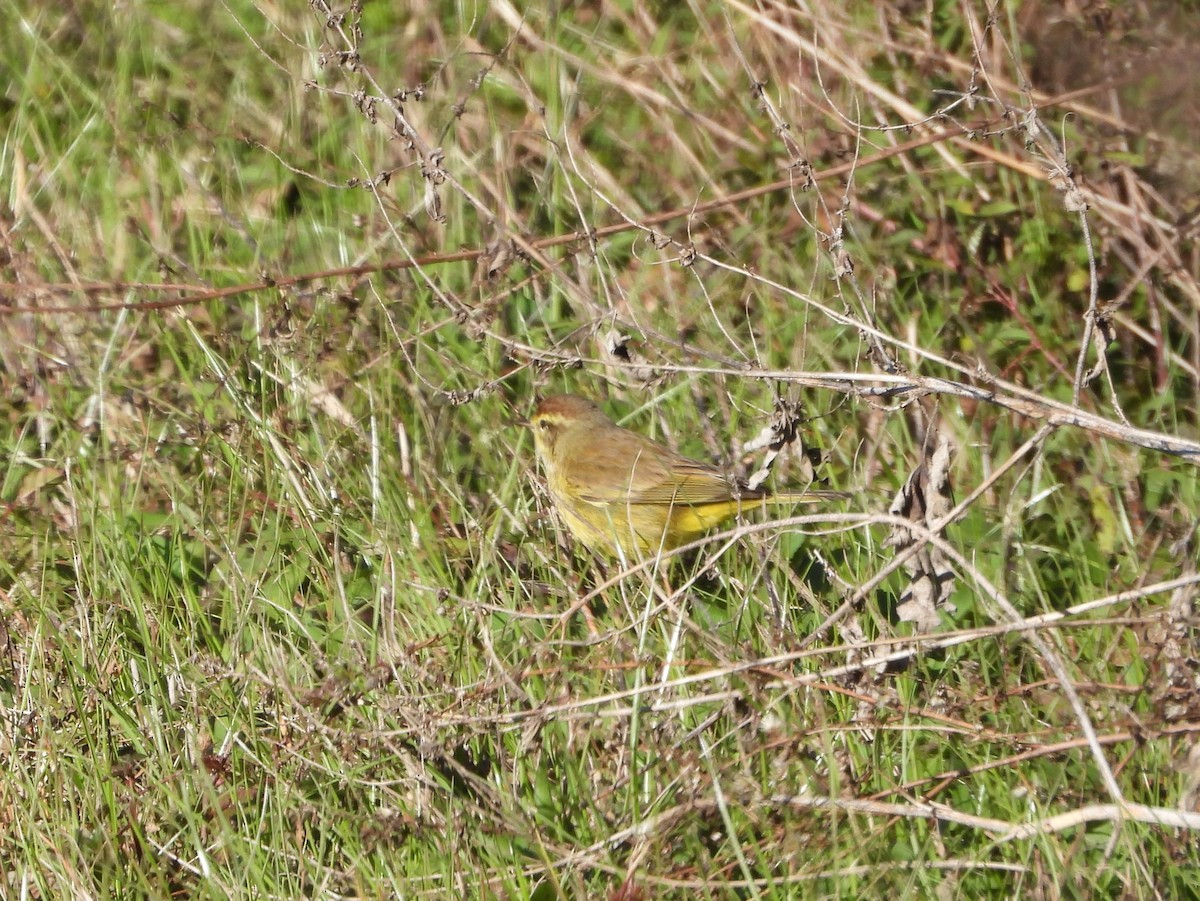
x: 285, y: 610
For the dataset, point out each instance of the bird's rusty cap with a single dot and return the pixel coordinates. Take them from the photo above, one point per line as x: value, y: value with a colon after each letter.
x: 565, y: 406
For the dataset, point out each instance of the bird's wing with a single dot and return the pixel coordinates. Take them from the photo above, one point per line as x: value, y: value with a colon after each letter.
x: 653, y: 479
x: 690, y: 482
x: 616, y: 478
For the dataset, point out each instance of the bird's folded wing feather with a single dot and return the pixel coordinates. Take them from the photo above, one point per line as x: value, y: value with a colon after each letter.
x: 656, y: 481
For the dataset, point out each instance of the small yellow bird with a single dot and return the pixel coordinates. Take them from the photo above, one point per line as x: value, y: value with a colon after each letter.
x: 618, y: 491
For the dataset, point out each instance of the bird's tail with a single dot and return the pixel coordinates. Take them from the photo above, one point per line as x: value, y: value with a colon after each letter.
x: 815, y: 496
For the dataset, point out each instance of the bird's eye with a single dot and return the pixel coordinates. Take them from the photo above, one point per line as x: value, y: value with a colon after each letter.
x: 545, y: 425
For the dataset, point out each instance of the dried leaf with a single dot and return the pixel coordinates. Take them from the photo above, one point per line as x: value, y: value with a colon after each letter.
x: 624, y: 354
x: 925, y: 498
x: 34, y: 481
x: 781, y: 433
x: 495, y: 259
